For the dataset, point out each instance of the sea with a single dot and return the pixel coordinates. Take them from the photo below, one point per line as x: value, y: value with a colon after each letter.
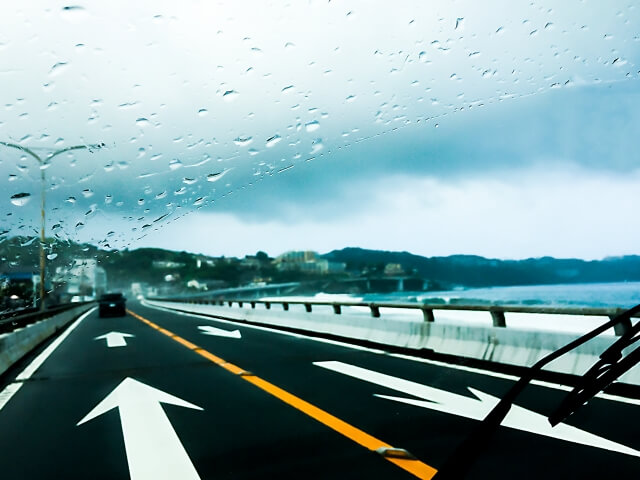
x: 616, y: 295
x: 620, y: 295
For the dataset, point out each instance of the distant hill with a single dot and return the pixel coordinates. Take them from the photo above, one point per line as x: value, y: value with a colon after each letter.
x: 475, y: 271
x: 124, y: 267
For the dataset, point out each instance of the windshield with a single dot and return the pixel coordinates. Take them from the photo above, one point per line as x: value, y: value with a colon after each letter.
x: 452, y: 182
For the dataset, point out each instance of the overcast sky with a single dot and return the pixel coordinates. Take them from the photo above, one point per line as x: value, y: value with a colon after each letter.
x: 504, y: 129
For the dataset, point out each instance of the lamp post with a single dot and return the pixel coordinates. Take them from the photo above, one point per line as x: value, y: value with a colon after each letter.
x: 42, y: 163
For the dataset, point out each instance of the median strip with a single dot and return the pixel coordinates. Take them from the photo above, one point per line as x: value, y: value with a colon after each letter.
x: 411, y: 465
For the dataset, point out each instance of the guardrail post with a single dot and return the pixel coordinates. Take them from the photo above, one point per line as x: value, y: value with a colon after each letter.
x: 375, y: 310
x: 307, y: 307
x: 267, y: 305
x: 337, y: 309
x: 622, y: 327
x: 253, y: 304
x: 230, y: 303
x: 427, y: 314
x: 240, y: 304
x: 498, y: 318
x: 285, y: 306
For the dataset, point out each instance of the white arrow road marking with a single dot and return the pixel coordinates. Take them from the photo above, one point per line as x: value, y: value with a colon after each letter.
x: 154, y: 451
x: 115, y: 339
x: 209, y: 330
x: 475, y: 408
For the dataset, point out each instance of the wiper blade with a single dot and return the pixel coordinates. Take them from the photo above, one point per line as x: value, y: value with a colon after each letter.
x: 458, y: 464
x: 612, y: 365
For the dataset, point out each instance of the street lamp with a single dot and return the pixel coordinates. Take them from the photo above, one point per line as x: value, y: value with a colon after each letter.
x: 42, y: 163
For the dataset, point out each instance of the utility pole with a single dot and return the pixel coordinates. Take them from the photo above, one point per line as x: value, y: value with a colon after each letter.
x: 42, y: 163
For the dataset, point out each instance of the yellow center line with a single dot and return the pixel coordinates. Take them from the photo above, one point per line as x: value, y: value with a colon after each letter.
x: 414, y: 466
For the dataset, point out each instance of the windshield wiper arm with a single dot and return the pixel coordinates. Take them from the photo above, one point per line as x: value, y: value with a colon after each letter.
x: 610, y: 366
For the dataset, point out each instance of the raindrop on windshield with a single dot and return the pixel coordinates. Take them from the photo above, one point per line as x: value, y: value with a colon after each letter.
x: 87, y: 193
x: 214, y: 177
x: 58, y: 68
x: 230, y: 95
x: 175, y: 164
x: 312, y: 126
x: 20, y: 199
x: 73, y: 13
x: 242, y: 141
x: 272, y: 141
x: 202, y: 112
x: 189, y: 181
x: 52, y: 256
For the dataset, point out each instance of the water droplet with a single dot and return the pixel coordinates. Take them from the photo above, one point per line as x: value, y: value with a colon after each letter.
x: 52, y: 256
x: 312, y: 126
x: 142, y: 122
x: 108, y: 199
x: 180, y: 191
x: 272, y: 141
x: 459, y: 23
x: 287, y: 88
x: 20, y: 199
x: 79, y: 225
x: 199, y: 201
x: 175, y: 164
x: 203, y: 111
x: 350, y: 98
x: 73, y: 12
x: 189, y: 181
x: 58, y: 68
x: 316, y: 146
x: 214, y: 177
x: 71, y: 200
x: 230, y: 95
x: 161, y: 195
x: 12, y: 177
x: 242, y: 141
x: 87, y: 193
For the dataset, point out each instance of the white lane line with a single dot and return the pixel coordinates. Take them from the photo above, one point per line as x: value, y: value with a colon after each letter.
x: 476, y: 370
x: 476, y: 407
x: 8, y: 392
x: 11, y: 389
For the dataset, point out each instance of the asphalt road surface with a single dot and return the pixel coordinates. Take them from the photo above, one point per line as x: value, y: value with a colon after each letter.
x: 157, y: 394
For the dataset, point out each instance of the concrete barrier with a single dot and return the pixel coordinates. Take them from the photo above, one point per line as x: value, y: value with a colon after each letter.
x: 16, y: 344
x: 514, y: 346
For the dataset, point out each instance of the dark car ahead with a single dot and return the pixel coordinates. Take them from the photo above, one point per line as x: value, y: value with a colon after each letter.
x: 112, y: 304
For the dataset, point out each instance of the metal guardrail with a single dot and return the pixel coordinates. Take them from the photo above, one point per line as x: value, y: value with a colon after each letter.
x: 497, y: 311
x: 14, y: 320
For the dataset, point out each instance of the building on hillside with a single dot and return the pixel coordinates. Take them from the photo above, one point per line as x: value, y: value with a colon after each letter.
x: 307, y: 261
x: 205, y: 285
x: 166, y: 264
x: 393, y: 269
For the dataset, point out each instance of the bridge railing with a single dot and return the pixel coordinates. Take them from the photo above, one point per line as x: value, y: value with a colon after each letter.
x: 497, y: 312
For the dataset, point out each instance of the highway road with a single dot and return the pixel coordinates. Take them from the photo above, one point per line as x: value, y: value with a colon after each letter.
x: 163, y: 395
